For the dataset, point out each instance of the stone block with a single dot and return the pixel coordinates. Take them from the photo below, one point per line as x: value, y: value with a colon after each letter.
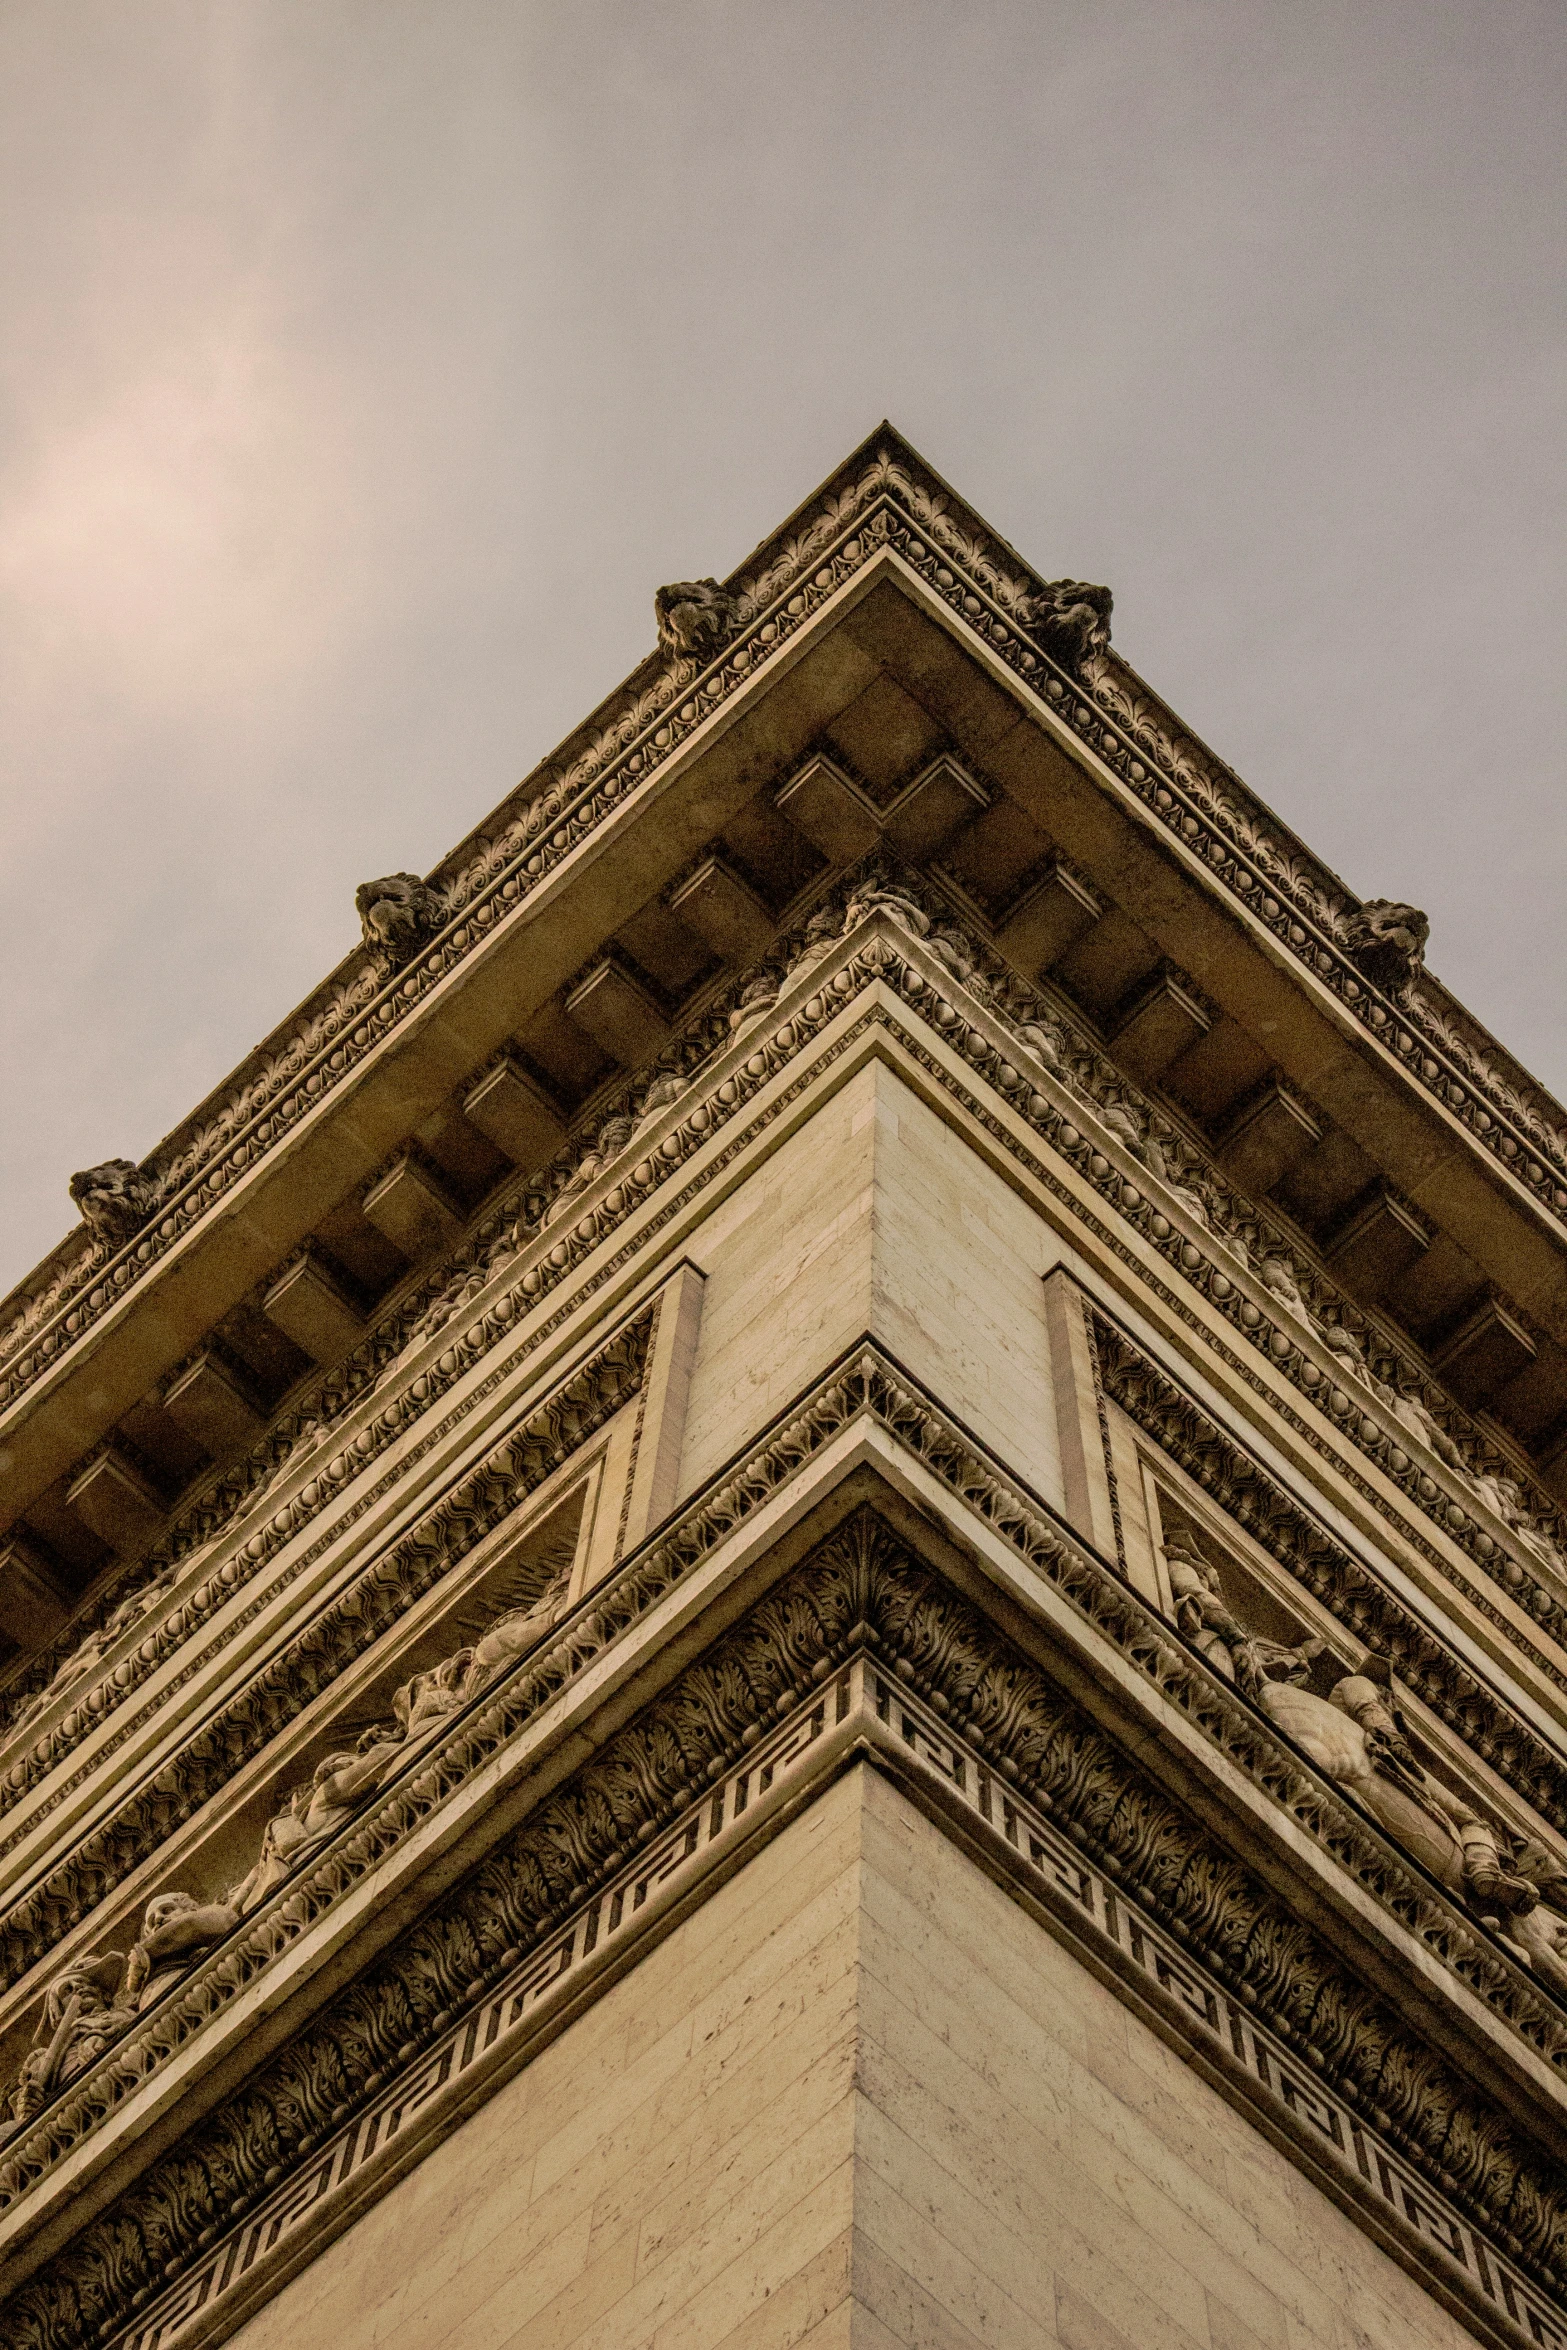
x: 1267, y: 1136
x: 312, y: 1308
x: 1377, y: 1244
x: 213, y: 1403
x: 119, y: 1503
x: 1489, y: 1347
x: 412, y: 1208
x: 928, y: 812
x: 724, y: 911
x: 1163, y: 1021
x: 32, y: 1605
x: 618, y: 1012
x: 1050, y: 917
x: 516, y: 1114
x: 829, y: 807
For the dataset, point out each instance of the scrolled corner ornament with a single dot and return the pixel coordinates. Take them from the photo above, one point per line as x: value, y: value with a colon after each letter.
x: 115, y: 1199
x: 694, y: 617
x: 397, y: 914
x: 1071, y: 619
x: 1387, y: 943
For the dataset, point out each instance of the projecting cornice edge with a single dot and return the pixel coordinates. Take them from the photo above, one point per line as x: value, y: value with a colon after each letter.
x: 883, y: 500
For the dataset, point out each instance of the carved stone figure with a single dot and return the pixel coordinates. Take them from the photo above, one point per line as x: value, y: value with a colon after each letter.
x: 1278, y: 1276
x: 1506, y: 1497
x: 284, y: 1842
x: 694, y: 616
x: 1145, y: 1147
x: 1387, y: 942
x: 514, y: 1633
x: 822, y: 932
x: 948, y: 942
x: 1412, y: 1414
x: 1127, y: 1128
x: 666, y: 1087
x: 1071, y: 619
x: 1539, y: 1935
x: 176, y: 1931
x: 1360, y: 1738
x: 430, y: 1696
x: 1044, y: 1043
x: 610, y: 1141
x: 869, y: 895
x: 756, y: 1000
x: 397, y: 913
x: 448, y: 1302
x: 82, y: 2015
x: 115, y: 1199
x: 1205, y: 1616
x: 94, y: 1645
x: 342, y: 1782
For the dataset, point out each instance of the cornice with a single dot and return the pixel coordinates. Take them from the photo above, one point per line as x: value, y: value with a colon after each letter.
x: 861, y: 1648
x: 883, y: 501
x: 516, y: 1266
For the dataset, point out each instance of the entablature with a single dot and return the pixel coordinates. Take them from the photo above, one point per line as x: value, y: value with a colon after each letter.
x: 887, y: 673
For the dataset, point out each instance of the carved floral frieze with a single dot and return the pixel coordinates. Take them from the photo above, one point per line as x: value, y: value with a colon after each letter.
x: 489, y: 1699
x: 880, y: 501
x: 861, y: 1594
x: 1239, y: 1259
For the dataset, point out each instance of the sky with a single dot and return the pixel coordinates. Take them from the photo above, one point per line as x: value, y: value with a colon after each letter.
x: 366, y: 364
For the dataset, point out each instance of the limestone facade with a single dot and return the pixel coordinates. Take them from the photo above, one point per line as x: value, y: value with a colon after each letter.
x: 802, y: 1582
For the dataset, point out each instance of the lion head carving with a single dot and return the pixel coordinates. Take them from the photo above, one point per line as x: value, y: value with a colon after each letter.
x: 1071, y: 619
x: 694, y: 616
x: 115, y: 1199
x: 397, y: 913
x: 1387, y: 942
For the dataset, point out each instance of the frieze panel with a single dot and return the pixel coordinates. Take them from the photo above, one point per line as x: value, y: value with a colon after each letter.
x: 860, y: 1648
x: 1300, y: 1303
x: 276, y: 1903
x: 358, y: 1616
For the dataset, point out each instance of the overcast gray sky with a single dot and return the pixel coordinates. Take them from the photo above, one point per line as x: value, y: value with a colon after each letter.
x: 365, y: 364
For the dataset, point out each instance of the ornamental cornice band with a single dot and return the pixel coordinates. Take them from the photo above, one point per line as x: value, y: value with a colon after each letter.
x: 880, y: 501
x: 386, y: 1810
x: 1246, y: 1268
x: 973, y: 1726
x: 862, y: 1713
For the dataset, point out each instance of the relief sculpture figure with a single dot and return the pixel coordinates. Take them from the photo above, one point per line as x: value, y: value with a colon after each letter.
x: 176, y: 1931
x: 82, y: 2015
x: 1358, y: 1736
